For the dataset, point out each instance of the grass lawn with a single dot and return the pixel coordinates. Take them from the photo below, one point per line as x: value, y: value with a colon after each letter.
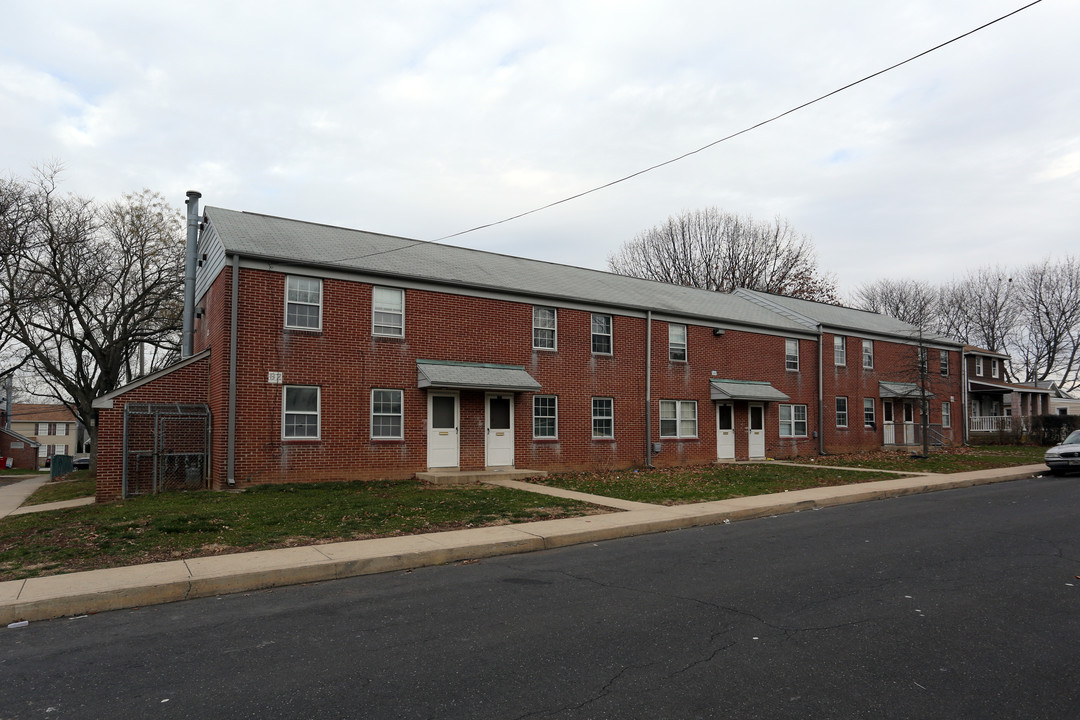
x: 943, y: 460
x: 676, y: 486
x: 172, y: 526
x: 78, y: 484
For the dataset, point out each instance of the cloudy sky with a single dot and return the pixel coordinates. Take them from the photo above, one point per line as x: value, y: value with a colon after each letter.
x: 424, y: 119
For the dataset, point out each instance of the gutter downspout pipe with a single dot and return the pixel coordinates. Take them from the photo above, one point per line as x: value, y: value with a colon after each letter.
x: 821, y: 389
x: 648, y: 388
x: 234, y: 310
x: 187, y: 344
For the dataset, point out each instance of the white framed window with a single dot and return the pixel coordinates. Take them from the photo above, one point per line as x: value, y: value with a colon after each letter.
x: 946, y: 414
x: 868, y: 354
x: 388, y: 312
x: 945, y: 362
x: 994, y: 368
x: 61, y: 449
x: 678, y: 418
x: 603, y: 417
x: 545, y: 416
x: 676, y: 335
x: 545, y: 326
x: 303, y: 303
x: 791, y: 354
x: 978, y: 365
x: 792, y: 420
x: 923, y: 365
x: 386, y: 413
x: 43, y: 428
x: 841, y: 412
x: 868, y: 411
x: 43, y: 451
x: 839, y: 350
x: 300, y: 412
x: 601, y: 334
x: 61, y: 428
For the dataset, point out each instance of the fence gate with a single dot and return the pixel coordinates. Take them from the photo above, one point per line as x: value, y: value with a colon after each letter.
x: 166, y: 447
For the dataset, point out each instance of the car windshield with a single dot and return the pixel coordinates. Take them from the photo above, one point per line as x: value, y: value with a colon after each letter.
x: 1073, y: 439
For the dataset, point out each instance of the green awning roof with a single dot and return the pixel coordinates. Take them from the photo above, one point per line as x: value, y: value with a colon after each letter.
x: 900, y: 390
x: 474, y: 376
x: 756, y: 391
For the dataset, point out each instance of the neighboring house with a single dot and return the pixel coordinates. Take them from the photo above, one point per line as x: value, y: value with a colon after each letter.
x: 1061, y: 402
x: 326, y: 353
x: 22, y: 451
x: 994, y: 405
x: 53, y: 427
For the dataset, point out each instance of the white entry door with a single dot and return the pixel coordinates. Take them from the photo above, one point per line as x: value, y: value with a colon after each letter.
x: 725, y: 431
x: 443, y: 433
x: 888, y: 426
x: 499, y: 444
x: 756, y: 431
x: 909, y: 424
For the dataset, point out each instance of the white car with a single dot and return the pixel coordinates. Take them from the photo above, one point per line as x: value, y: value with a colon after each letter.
x: 1065, y: 457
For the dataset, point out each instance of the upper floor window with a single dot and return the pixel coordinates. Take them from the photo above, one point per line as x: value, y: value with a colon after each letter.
x: 603, y: 417
x: 841, y: 412
x: 544, y: 327
x: 388, y: 312
x: 545, y: 416
x: 944, y: 362
x: 839, y: 350
x: 303, y: 302
x: 978, y: 365
x: 43, y: 428
x: 923, y: 365
x: 300, y: 412
x: 868, y: 354
x: 61, y: 428
x: 868, y: 411
x: 676, y: 342
x: 601, y: 334
x: 993, y: 367
x: 678, y: 418
x: 791, y: 354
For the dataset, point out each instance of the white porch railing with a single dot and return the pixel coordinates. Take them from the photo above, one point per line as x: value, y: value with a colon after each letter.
x: 996, y: 423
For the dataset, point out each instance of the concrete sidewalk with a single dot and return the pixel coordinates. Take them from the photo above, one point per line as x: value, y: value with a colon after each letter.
x: 14, y: 495
x: 138, y: 585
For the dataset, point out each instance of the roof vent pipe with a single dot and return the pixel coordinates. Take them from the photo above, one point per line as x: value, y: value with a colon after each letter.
x: 187, y: 344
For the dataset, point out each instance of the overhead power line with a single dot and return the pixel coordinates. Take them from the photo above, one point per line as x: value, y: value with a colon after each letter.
x: 716, y: 142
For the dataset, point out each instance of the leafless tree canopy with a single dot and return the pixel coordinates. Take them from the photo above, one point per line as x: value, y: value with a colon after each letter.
x: 1032, y: 314
x: 91, y: 293
x: 716, y: 250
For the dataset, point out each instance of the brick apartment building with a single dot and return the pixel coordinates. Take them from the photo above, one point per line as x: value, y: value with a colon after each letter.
x: 353, y: 355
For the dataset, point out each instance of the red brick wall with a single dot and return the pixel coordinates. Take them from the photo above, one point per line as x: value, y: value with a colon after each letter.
x: 186, y: 385
x: 24, y: 458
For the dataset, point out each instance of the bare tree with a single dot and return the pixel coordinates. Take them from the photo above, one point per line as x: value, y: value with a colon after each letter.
x: 912, y: 301
x: 1048, y: 340
x: 715, y: 250
x: 87, y: 288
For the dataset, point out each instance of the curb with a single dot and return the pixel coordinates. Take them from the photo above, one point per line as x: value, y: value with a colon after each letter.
x: 140, y: 585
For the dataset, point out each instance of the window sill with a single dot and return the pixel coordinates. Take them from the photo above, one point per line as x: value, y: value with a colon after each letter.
x: 543, y: 349
x: 387, y: 440
x: 301, y: 441
x: 387, y: 337
x: 603, y: 439
x: 545, y: 440
x: 664, y: 438
x: 303, y: 331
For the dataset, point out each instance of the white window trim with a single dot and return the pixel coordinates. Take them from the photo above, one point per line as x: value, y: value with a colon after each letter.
x: 869, y: 404
x: 843, y: 412
x: 674, y: 345
x: 555, y: 436
x: 946, y: 414
x: 995, y: 367
x: 41, y: 432
x: 317, y: 413
x: 978, y: 365
x: 610, y: 334
x: 400, y: 414
x: 944, y: 363
x: 595, y: 417
x: 679, y: 418
x: 868, y: 357
x: 789, y: 343
x: 299, y: 302
x: 793, y: 422
x: 554, y: 330
x: 840, y: 350
x: 375, y: 333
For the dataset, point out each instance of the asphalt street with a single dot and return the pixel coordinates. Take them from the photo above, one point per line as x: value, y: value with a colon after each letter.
x: 955, y: 604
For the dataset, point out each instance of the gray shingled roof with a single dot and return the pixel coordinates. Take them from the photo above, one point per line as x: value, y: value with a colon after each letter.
x: 303, y: 243
x: 474, y: 376
x: 839, y: 317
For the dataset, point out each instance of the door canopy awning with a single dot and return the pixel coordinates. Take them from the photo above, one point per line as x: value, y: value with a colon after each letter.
x: 753, y: 390
x: 908, y: 391
x: 449, y: 375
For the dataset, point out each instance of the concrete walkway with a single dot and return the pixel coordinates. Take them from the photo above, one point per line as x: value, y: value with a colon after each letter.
x: 139, y: 585
x: 14, y: 495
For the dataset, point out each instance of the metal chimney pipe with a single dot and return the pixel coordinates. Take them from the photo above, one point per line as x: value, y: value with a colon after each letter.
x: 187, y: 344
